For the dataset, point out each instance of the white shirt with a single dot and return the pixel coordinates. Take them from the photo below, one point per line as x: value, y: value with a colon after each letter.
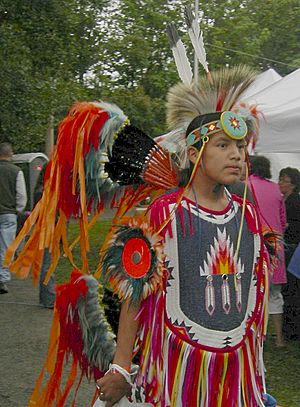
x: 21, y: 194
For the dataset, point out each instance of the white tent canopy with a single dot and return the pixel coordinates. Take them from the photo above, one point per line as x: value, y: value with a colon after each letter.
x: 279, y: 100
x: 280, y: 104
x: 263, y: 80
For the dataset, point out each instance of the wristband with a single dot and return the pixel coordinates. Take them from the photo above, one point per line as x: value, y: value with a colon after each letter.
x: 115, y: 368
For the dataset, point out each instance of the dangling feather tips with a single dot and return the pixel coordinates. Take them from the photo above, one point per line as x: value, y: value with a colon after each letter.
x: 196, y: 37
x: 180, y: 56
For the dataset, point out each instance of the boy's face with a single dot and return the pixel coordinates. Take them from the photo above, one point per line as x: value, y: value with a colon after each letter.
x: 222, y: 159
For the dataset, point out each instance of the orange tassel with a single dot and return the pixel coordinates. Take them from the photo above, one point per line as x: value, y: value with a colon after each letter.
x: 36, y: 396
x: 29, y: 223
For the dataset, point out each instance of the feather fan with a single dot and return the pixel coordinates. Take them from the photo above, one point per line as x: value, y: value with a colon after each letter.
x: 137, y: 158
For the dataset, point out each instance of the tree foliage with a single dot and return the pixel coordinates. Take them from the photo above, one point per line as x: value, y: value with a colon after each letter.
x: 55, y: 52
x: 138, y: 68
x: 255, y: 32
x: 45, y: 49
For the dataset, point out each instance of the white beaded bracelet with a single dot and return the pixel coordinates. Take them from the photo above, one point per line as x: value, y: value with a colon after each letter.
x: 114, y: 367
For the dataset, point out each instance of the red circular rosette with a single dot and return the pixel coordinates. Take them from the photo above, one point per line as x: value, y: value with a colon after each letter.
x: 133, y: 262
x: 136, y: 257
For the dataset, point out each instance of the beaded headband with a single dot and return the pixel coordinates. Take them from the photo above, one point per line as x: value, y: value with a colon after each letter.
x: 231, y: 123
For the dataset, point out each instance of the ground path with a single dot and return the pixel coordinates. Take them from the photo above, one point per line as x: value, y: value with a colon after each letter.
x: 24, y: 333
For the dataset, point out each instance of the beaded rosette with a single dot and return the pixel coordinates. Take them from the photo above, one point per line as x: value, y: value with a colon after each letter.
x: 132, y: 264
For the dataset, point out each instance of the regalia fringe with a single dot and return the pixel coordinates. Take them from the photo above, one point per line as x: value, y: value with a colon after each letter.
x: 194, y: 376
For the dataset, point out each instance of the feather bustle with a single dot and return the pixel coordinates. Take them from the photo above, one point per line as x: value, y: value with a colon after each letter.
x: 87, y: 130
x: 79, y: 330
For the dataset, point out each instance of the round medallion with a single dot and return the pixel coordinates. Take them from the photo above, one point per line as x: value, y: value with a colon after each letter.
x: 233, y: 125
x: 136, y: 257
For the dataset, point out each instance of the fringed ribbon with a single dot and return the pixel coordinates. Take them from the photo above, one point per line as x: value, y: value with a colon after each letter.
x: 193, y: 376
x: 175, y: 372
x: 151, y: 341
x: 72, y: 188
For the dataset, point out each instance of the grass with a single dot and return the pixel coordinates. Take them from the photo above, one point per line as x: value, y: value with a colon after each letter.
x: 282, y: 364
x: 283, y: 371
x: 96, y: 238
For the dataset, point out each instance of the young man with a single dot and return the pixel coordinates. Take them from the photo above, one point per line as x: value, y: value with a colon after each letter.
x: 194, y: 282
x: 200, y: 335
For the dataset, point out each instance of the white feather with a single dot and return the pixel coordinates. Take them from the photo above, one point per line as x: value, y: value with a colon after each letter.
x: 196, y: 37
x: 179, y: 52
x: 112, y: 125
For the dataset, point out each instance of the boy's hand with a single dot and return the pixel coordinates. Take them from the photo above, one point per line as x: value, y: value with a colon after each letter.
x: 112, y: 387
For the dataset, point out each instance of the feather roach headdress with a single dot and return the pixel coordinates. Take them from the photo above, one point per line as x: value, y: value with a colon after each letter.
x: 185, y: 102
x: 217, y: 91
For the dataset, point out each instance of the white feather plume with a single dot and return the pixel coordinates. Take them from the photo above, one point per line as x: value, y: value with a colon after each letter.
x: 116, y: 119
x: 196, y: 37
x: 179, y: 52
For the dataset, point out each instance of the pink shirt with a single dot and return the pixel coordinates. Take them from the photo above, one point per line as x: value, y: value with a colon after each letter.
x: 272, y: 212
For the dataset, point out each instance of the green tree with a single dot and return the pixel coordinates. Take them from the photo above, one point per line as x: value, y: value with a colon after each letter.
x: 45, y: 48
x: 254, y: 32
x: 278, y: 21
x: 137, y: 68
x: 55, y: 52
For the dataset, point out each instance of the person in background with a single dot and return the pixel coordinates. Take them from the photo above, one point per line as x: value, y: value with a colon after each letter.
x: 46, y: 291
x: 294, y: 264
x: 271, y: 208
x: 289, y: 184
x: 238, y: 188
x: 13, y: 199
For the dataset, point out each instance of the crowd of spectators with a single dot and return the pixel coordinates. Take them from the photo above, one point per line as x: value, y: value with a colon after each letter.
x: 279, y: 208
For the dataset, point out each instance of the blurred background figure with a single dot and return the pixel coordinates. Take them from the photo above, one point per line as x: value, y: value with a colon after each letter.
x: 46, y: 291
x: 13, y: 199
x: 272, y: 212
x: 238, y: 188
x: 289, y: 183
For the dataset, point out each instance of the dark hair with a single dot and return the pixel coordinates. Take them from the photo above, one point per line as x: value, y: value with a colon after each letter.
x: 5, y: 150
x: 196, y: 123
x: 199, y: 121
x: 293, y: 174
x: 260, y: 166
x: 184, y: 175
